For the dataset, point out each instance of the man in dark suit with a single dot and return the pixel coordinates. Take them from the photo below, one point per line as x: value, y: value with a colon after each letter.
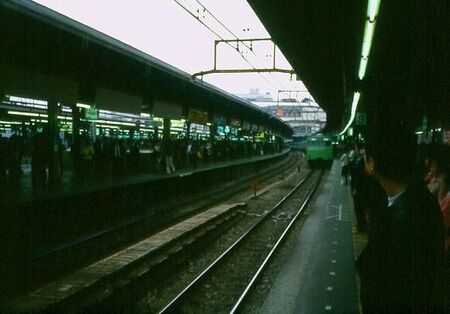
x: 400, y: 267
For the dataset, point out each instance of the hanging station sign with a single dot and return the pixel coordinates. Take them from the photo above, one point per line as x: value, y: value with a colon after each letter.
x: 178, y: 123
x: 197, y: 116
x: 360, y: 118
x: 219, y: 120
x: 167, y: 110
x: 91, y: 113
x: 155, y: 122
x: 236, y: 123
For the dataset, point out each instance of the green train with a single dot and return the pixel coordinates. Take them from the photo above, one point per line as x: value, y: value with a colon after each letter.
x: 319, y: 150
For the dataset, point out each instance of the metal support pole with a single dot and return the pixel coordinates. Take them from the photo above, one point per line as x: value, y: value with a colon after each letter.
x: 212, y: 132
x: 274, y: 52
x: 188, y: 130
x: 215, y: 55
x: 166, y: 129
x: 53, y: 133
x: 76, y: 140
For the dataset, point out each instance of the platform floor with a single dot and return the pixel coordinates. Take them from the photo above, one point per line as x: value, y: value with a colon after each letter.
x: 319, y: 274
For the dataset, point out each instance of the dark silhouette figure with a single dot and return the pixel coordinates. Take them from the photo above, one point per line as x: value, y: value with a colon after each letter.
x: 39, y: 161
x: 401, y: 267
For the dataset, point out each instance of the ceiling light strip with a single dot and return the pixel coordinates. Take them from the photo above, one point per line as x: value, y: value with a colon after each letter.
x: 356, y: 97
x: 373, y: 7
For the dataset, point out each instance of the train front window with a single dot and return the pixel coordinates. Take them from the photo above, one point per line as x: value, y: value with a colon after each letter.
x: 318, y: 143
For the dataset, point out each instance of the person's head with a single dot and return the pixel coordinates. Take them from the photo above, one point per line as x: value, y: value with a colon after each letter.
x: 390, y: 154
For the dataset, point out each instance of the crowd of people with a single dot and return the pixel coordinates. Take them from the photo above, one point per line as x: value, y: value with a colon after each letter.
x: 402, y: 203
x: 103, y: 156
x: 12, y: 150
x: 432, y: 170
x: 108, y: 155
x: 436, y: 176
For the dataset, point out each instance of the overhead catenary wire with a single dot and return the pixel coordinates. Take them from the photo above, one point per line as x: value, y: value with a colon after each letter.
x: 216, y: 34
x: 243, y: 41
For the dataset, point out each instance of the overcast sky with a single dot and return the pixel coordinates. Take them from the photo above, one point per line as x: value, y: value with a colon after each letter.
x: 163, y: 29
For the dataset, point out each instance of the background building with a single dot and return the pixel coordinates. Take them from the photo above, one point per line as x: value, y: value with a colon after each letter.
x: 301, y: 112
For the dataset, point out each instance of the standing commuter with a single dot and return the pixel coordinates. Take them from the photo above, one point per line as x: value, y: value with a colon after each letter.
x: 135, y: 157
x: 168, y: 151
x: 158, y: 155
x: 39, y: 161
x: 445, y: 209
x: 117, y: 156
x: 361, y: 191
x: 401, y: 265
x: 344, y: 167
x: 15, y: 158
x: 3, y: 163
x: 86, y: 157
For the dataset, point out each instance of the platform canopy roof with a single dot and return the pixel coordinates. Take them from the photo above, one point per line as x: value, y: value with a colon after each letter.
x: 409, y: 59
x: 47, y: 55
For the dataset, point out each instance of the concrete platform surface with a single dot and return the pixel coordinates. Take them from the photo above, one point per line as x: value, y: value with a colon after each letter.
x: 319, y: 274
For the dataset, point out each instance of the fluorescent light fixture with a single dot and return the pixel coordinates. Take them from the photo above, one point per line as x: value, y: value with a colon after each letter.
x: 22, y: 113
x: 10, y: 122
x: 27, y: 100
x: 419, y: 132
x: 64, y: 118
x: 145, y: 115
x: 120, y: 123
x: 115, y: 122
x: 362, y: 68
x: 366, y: 49
x: 108, y: 126
x: 356, y: 97
x: 83, y: 106
x: 369, y: 30
x: 372, y: 9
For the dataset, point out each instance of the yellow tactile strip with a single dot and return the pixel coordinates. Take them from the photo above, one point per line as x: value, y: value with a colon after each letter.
x: 359, y: 243
x: 359, y: 239
x: 68, y: 286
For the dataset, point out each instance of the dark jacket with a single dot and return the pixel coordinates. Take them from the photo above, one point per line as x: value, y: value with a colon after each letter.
x: 400, y: 267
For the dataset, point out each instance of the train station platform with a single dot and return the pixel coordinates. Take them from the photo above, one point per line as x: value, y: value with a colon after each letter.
x: 319, y: 275
x: 55, y: 232
x: 70, y: 185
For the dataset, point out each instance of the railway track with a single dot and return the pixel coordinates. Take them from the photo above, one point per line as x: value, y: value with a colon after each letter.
x: 146, y: 263
x: 224, y: 285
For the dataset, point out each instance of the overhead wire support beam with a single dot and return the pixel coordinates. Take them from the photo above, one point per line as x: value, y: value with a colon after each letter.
x: 253, y: 69
x: 264, y: 70
x: 198, y: 18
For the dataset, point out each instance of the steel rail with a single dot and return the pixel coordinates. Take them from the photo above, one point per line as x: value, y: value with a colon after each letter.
x: 109, y: 230
x: 269, y: 256
x: 172, y: 306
